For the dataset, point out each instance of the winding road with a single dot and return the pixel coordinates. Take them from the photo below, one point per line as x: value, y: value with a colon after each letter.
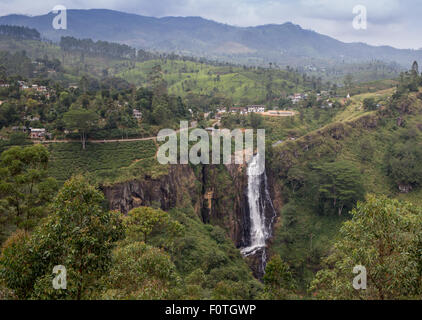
x: 194, y: 124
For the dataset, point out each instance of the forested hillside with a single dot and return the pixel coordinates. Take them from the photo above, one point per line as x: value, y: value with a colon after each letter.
x: 372, y: 147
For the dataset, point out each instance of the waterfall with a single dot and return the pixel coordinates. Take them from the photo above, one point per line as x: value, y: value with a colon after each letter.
x: 259, y: 202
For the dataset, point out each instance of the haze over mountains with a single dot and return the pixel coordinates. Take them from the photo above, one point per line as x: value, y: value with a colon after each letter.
x: 285, y: 44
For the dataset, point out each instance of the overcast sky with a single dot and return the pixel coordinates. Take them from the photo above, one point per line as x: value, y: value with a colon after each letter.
x: 390, y: 22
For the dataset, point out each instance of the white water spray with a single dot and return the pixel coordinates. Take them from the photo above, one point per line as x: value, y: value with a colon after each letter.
x: 260, y: 229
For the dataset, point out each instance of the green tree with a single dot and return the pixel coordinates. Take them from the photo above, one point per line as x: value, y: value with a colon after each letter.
x: 339, y: 183
x: 160, y: 111
x: 415, y: 68
x: 384, y: 236
x: 404, y: 164
x: 82, y: 120
x: 65, y: 99
x: 8, y: 114
x: 278, y: 279
x: 156, y: 81
x: 78, y: 234
x: 15, y: 266
x: 139, y: 271
x: 348, y: 81
x: 369, y: 104
x: 25, y: 188
x: 255, y: 120
x: 143, y: 221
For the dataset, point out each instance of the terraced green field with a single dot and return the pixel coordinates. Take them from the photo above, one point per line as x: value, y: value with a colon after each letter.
x: 239, y: 84
x: 104, y: 163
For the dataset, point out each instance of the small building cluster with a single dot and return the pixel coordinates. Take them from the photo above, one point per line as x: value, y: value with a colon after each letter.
x: 31, y: 118
x: 297, y: 97
x: 23, y: 85
x: 239, y: 110
x: 38, y: 88
x: 42, y: 90
x: 3, y: 84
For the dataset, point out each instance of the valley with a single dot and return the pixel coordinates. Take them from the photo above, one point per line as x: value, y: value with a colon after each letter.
x: 81, y: 184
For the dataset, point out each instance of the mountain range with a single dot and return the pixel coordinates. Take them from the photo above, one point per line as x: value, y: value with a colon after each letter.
x: 284, y: 44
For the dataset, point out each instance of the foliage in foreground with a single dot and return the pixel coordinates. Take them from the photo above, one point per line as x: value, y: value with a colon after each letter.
x: 148, y: 254
x: 77, y: 234
x: 25, y: 188
x: 384, y: 236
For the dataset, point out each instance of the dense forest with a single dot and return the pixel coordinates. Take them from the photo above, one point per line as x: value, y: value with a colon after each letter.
x: 20, y: 33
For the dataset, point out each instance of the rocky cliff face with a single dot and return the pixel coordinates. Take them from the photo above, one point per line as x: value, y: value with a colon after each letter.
x: 169, y: 191
x: 225, y: 202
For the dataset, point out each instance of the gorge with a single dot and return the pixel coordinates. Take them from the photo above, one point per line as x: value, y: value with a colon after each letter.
x: 231, y: 196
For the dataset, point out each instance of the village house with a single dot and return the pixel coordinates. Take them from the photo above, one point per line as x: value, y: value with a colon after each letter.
x: 31, y: 118
x: 219, y: 112
x: 23, y: 85
x: 39, y: 88
x: 238, y: 110
x: 37, y: 133
x: 3, y: 84
x: 297, y: 97
x: 327, y: 104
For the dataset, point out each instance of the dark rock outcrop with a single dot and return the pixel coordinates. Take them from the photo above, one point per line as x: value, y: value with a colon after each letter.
x: 168, y: 191
x: 226, y: 201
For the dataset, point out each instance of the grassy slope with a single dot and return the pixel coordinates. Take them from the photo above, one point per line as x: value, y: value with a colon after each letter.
x: 355, y: 109
x: 282, y: 128
x: 106, y: 163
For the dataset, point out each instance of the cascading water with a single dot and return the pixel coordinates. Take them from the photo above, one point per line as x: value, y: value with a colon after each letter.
x: 258, y: 200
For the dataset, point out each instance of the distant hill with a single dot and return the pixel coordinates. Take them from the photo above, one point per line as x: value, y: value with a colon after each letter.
x: 286, y: 44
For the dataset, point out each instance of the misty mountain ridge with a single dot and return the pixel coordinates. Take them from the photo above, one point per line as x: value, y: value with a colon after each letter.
x: 285, y: 44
